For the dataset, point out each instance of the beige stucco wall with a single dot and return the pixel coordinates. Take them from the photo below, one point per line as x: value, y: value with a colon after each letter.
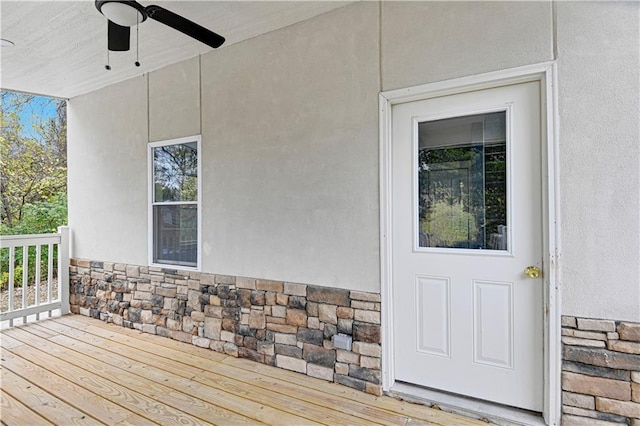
x: 599, y: 100
x: 290, y: 122
x: 107, y: 173
x: 290, y: 140
x: 429, y: 41
x: 174, y: 101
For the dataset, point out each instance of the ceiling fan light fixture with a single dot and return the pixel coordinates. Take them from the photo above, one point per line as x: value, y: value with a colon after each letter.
x: 123, y: 13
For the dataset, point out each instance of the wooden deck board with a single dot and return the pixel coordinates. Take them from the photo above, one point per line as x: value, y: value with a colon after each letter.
x: 136, y: 401
x: 168, y: 387
x: 78, y: 370
x: 40, y: 401
x: 346, y: 394
x: 337, y: 397
x: 125, y: 376
x: 285, y: 404
x: 15, y: 412
x: 246, y: 383
x: 76, y: 396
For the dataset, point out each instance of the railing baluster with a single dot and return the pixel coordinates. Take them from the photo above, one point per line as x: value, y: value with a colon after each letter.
x: 12, y: 260
x: 25, y: 277
x: 38, y: 272
x: 50, y: 276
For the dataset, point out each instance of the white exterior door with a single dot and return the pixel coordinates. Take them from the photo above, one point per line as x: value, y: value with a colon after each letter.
x: 467, y: 244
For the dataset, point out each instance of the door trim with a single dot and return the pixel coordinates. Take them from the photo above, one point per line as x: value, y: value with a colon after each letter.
x: 546, y: 74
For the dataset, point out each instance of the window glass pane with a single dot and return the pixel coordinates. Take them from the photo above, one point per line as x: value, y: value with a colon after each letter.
x: 175, y: 172
x: 175, y: 232
x: 462, y: 189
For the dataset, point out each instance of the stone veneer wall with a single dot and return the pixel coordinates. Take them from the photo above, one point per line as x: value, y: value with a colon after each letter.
x: 277, y: 323
x: 600, y: 372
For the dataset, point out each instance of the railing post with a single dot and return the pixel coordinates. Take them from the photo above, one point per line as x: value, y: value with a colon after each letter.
x: 63, y: 269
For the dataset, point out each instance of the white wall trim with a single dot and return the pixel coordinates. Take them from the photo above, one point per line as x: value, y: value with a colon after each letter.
x: 150, y: 146
x: 546, y: 74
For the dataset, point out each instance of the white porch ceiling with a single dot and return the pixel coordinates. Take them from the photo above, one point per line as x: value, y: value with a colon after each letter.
x: 61, y: 46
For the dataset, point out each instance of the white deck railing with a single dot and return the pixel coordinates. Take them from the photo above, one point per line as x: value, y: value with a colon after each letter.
x: 31, y: 304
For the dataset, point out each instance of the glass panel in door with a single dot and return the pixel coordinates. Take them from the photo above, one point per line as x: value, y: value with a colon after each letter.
x: 462, y: 182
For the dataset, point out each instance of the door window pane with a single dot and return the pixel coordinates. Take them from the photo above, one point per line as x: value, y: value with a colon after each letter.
x: 462, y: 188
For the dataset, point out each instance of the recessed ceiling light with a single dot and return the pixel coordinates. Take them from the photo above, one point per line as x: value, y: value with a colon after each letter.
x: 6, y: 43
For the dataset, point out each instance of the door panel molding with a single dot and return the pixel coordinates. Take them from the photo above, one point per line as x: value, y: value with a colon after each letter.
x: 545, y: 73
x: 487, y: 328
x: 435, y: 291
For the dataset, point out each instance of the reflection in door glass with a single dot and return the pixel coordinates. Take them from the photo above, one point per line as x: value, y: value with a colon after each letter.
x: 462, y: 189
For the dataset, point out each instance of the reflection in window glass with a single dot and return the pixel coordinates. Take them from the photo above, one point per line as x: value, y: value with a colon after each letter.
x: 175, y: 231
x: 175, y: 172
x: 462, y: 189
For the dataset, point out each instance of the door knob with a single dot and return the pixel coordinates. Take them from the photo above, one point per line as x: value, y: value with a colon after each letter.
x: 532, y: 271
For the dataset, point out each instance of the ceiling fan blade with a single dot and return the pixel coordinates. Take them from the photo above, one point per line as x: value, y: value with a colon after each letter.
x: 185, y: 26
x: 118, y: 37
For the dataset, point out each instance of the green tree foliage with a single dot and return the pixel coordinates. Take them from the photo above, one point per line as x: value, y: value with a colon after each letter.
x: 33, y: 174
x: 33, y: 169
x: 43, y: 217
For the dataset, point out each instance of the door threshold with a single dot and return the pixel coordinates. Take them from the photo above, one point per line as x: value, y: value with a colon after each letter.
x: 469, y: 407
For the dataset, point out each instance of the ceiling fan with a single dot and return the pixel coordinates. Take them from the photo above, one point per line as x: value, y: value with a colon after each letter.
x: 123, y: 14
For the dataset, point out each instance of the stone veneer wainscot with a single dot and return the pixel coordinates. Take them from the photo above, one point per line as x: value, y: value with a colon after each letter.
x: 600, y: 372
x: 286, y: 325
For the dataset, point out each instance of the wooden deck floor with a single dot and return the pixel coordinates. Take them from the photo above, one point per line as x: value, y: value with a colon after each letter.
x: 76, y: 370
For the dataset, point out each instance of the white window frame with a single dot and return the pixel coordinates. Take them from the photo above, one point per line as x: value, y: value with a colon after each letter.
x: 151, y: 203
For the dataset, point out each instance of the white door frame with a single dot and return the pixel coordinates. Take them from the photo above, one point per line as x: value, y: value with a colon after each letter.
x: 546, y: 74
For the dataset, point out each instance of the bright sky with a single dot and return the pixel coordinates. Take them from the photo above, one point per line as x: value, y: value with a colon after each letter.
x: 41, y: 107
